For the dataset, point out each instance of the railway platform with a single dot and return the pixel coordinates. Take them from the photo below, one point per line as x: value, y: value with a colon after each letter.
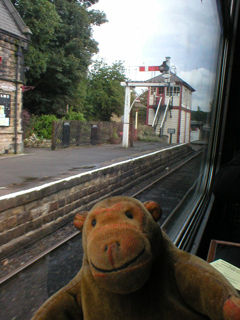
x: 45, y: 236
x: 38, y: 166
x: 40, y: 204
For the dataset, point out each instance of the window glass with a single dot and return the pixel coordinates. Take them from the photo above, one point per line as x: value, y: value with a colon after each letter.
x: 153, y: 91
x: 174, y: 44
x: 189, y: 33
x: 176, y: 91
x: 161, y: 90
x: 169, y: 91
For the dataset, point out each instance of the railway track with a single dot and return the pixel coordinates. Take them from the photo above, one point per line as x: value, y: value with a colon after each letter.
x: 43, y: 274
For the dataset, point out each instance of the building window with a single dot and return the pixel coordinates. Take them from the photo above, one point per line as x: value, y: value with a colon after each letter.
x: 161, y: 90
x: 153, y: 91
x: 169, y: 91
x: 176, y: 91
x: 184, y: 97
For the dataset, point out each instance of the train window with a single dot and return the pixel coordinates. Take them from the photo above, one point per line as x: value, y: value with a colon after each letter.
x: 176, y: 52
x: 183, y: 223
x: 201, y: 71
x: 189, y: 38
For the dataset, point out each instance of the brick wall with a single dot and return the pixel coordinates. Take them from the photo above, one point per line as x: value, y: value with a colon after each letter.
x: 30, y: 215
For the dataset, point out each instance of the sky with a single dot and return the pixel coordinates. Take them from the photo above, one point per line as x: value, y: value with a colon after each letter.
x: 144, y: 33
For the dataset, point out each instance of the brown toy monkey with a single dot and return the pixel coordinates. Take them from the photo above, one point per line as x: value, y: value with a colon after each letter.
x: 132, y: 271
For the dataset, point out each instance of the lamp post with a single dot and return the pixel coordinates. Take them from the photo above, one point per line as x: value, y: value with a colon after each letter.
x: 125, y: 138
x: 127, y: 110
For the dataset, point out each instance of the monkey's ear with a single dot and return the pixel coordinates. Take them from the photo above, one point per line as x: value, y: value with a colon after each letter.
x: 154, y: 208
x: 79, y: 220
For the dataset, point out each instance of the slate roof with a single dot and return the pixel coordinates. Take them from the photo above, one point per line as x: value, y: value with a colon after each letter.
x: 11, y: 22
x: 173, y: 78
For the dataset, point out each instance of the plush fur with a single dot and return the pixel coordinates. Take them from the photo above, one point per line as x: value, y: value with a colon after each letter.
x: 131, y: 270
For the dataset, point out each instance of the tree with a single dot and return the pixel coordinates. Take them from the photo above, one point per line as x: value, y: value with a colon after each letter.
x: 60, y: 53
x: 105, y: 95
x: 42, y: 19
x: 200, y: 115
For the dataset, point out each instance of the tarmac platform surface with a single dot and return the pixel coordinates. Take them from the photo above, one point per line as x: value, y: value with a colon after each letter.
x: 38, y: 166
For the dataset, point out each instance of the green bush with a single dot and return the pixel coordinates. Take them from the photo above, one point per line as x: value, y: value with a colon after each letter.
x: 42, y: 125
x: 72, y: 115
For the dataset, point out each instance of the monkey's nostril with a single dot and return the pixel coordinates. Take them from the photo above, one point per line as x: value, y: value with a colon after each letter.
x: 116, y: 245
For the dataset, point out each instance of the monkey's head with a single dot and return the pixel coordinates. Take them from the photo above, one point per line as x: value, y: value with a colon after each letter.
x: 121, y: 239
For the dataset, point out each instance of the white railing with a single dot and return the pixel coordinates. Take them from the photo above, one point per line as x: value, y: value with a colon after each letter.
x: 156, y: 114
x: 165, y: 113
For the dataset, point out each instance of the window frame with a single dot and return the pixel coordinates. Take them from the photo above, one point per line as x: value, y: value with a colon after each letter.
x: 189, y: 236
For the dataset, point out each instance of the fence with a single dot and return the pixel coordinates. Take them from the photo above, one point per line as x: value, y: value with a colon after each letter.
x: 77, y: 133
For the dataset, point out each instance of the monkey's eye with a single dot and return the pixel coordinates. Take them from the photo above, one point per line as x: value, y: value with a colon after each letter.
x: 94, y: 222
x: 129, y: 215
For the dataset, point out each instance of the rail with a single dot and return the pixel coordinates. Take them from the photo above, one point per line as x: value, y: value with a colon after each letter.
x: 31, y: 275
x: 39, y: 257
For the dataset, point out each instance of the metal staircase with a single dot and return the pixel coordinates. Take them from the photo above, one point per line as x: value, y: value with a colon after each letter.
x: 160, y: 117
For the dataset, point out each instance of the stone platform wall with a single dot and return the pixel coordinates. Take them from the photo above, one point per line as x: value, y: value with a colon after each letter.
x: 32, y: 214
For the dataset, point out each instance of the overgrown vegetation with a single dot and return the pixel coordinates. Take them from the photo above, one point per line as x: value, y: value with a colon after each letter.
x: 41, y: 126
x: 147, y: 134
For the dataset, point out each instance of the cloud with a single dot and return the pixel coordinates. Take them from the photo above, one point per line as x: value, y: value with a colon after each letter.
x: 144, y: 33
x: 138, y: 33
x: 202, y: 80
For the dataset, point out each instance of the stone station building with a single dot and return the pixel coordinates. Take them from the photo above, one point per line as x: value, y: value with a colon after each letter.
x: 14, y: 42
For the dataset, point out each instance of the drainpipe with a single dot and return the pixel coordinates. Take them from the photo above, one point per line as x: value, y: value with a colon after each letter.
x: 18, y: 55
